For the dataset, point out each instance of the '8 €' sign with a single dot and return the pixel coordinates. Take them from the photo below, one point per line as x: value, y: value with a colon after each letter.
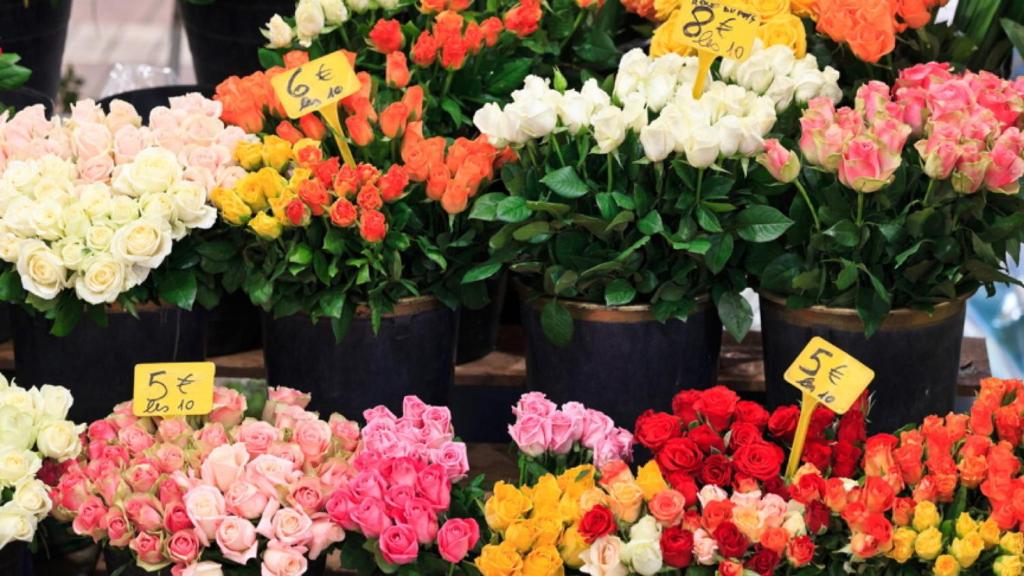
x: 173, y: 389
x: 718, y: 28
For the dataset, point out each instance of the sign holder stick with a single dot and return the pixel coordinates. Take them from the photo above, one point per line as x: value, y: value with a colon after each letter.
x: 807, y: 406
x: 330, y: 114
x: 704, y: 61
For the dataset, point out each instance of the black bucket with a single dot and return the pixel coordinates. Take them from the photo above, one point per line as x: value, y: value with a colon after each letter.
x: 36, y: 33
x: 224, y: 36
x: 98, y: 363
x: 23, y: 98
x: 15, y: 560
x: 915, y: 356
x: 478, y: 329
x: 621, y: 360
x: 414, y: 353
x: 233, y: 326
x: 5, y: 322
x: 145, y: 99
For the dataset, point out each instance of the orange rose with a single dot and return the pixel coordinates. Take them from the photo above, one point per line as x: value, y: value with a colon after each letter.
x: 972, y: 470
x: 288, y: 131
x: 775, y: 539
x: 453, y: 53
x: 424, y: 50
x: 437, y: 181
x: 373, y: 226
x: 393, y: 183
x: 420, y: 156
x: 393, y: 119
x: 1002, y: 462
x: 474, y: 37
x: 1008, y: 424
x: 915, y: 13
x: 835, y: 494
x: 903, y: 511
x: 491, y: 29
x: 343, y: 213
x: 455, y: 198
x: 909, y: 459
x: 878, y: 494
x: 715, y: 513
x: 386, y: 36
x: 667, y: 507
x: 295, y: 58
x: 413, y: 98
x: 359, y: 129
x: 981, y: 415
x: 312, y: 127
x: 524, y: 18
x: 448, y: 26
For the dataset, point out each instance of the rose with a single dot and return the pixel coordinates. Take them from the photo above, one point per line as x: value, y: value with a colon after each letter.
x: 346, y: 431
x: 603, y: 558
x: 59, y: 440
x: 782, y: 422
x: 702, y: 146
x: 644, y: 555
x: 323, y: 533
x: 278, y: 32
x: 433, y: 484
x: 306, y: 494
x: 706, y: 439
x: 41, y: 271
x: 183, y: 547
x: 565, y: 432
x: 667, y: 507
x: 16, y: 524
x: 313, y: 437
x: 499, y: 560
x: 626, y: 499
x: 148, y: 548
x: 203, y: 569
x: 89, y: 140
x: 679, y: 455
x: 677, y: 546
x: 453, y: 458
x: 370, y: 516
x: 153, y: 170
x: 456, y: 538
x: 597, y: 523
x: 288, y: 526
x: 309, y: 21
x: 283, y: 560
x: 17, y: 465
x: 33, y: 497
x: 609, y: 127
x: 760, y: 460
x: 245, y: 500
x: 781, y: 163
x: 398, y: 545
x: 206, y: 509
x: 654, y: 429
x: 731, y: 542
x: 658, y: 139
x: 574, y: 110
x: 268, y: 472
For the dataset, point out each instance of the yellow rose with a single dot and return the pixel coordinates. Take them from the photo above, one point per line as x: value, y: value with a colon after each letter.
x: 266, y: 226
x: 989, y: 531
x: 1012, y: 543
x: 965, y: 525
x: 499, y: 560
x: 625, y: 500
x: 249, y: 155
x: 506, y: 506
x: 305, y: 143
x: 926, y: 515
x: 577, y: 479
x: 250, y: 190
x: 276, y: 152
x: 928, y: 544
x: 278, y: 205
x: 804, y: 8
x: 521, y: 534
x: 544, y: 561
x: 902, y: 545
x: 786, y: 30
x: 272, y: 183
x: 569, y: 509
x: 668, y: 37
x: 299, y: 175
x: 766, y: 9
x: 545, y: 495
x: 231, y: 207
x: 650, y: 480
x: 946, y: 565
x: 664, y: 8
x: 549, y: 530
x: 1007, y: 566
x: 592, y: 497
x: 571, y: 546
x: 967, y: 549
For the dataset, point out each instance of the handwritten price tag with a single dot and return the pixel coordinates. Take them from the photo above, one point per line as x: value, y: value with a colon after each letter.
x: 718, y: 28
x: 316, y: 84
x: 173, y: 389
x: 831, y: 376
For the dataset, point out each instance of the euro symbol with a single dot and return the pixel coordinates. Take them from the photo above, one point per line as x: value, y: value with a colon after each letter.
x: 324, y: 73
x: 836, y: 374
x: 724, y: 27
x: 182, y: 382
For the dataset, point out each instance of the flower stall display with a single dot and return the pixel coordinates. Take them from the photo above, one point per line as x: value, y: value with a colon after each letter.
x: 622, y: 225
x: 217, y: 492
x: 401, y: 506
x: 904, y: 204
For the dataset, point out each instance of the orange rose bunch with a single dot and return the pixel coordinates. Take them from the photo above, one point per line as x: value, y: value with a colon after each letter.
x: 451, y: 39
x: 870, y: 28
x: 453, y: 174
x: 249, y: 101
x: 524, y: 18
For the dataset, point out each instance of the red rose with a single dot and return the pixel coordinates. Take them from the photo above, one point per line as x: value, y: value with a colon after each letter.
x: 763, y: 562
x: 809, y: 488
x: 731, y: 542
x: 782, y: 422
x: 684, y: 484
x: 777, y: 486
x: 677, y: 546
x: 684, y: 406
x: 679, y: 454
x: 817, y: 453
x: 596, y: 523
x: 386, y: 36
x: 717, y: 404
x: 717, y: 470
x: 817, y: 515
x: 821, y: 419
x: 743, y: 433
x: 762, y: 460
x: 706, y: 438
x: 730, y: 568
x: 751, y: 413
x: 846, y: 458
x: 800, y: 551
x: 654, y: 429
x: 852, y: 428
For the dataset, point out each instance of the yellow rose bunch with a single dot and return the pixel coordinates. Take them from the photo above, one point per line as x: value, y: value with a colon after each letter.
x: 780, y: 24
x: 925, y: 541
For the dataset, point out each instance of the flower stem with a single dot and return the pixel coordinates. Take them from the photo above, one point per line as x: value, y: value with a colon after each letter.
x: 608, y: 163
x: 700, y: 184
x: 807, y: 200
x: 558, y: 149
x: 575, y: 25
x: 860, y: 209
x: 447, y: 84
x: 928, y: 192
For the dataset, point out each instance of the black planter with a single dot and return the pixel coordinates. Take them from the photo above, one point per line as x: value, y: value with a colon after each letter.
x: 5, y: 322
x: 915, y: 356
x: 622, y: 361
x: 224, y: 36
x: 414, y: 353
x: 97, y: 363
x: 15, y: 560
x: 233, y: 326
x: 24, y: 97
x: 478, y: 329
x: 37, y: 34
x: 145, y: 99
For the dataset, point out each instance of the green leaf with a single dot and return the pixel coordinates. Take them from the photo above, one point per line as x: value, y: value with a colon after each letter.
x: 719, y: 252
x: 553, y: 208
x: 332, y: 303
x: 736, y: 314
x: 481, y: 272
x: 340, y: 325
x: 270, y: 58
x: 513, y: 209
x: 619, y: 292
x: 845, y: 233
x: 532, y: 231
x: 650, y: 224
x: 847, y: 276
x: 565, y: 182
x: 218, y: 250
x: 761, y: 223
x: 486, y: 207
x: 707, y: 219
x: 300, y: 254
x: 10, y: 287
x: 453, y: 109
x: 178, y: 287
x: 566, y: 283
x: 1015, y: 32
x: 334, y: 241
x: 12, y: 74
x: 556, y: 322
x: 509, y: 76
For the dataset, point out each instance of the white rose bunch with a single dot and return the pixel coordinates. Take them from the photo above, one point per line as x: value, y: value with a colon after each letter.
x: 315, y: 17
x: 775, y: 72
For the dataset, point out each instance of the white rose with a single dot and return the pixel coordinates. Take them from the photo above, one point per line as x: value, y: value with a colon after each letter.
x: 95, y: 199
x: 603, y: 558
x: 309, y: 21
x: 644, y: 555
x: 33, y: 497
x: 781, y: 59
x: 135, y: 275
x: 158, y: 206
x: 4, y: 384
x: 98, y: 237
x: 10, y: 247
x: 634, y: 112
x: 153, y: 170
x: 52, y: 189
x: 661, y: 83
x: 793, y: 522
x: 781, y: 92
x: 633, y: 71
x: 492, y: 122
x: 102, y: 279
x: 59, y: 439
x: 15, y: 525
x: 831, y: 89
x: 17, y: 465
x: 46, y: 220
x: 17, y: 428
x: 56, y: 167
x: 278, y: 32
x: 123, y: 209
x: 750, y: 141
x: 205, y: 568
x: 18, y: 397
x: 74, y: 221
x: 51, y: 402
x: 647, y: 528
x: 388, y: 4
x: 574, y: 111
x: 71, y: 252
x: 22, y: 174
x: 42, y: 272
x: 592, y: 91
x: 358, y: 6
x: 190, y: 205
x: 334, y: 11
x: 536, y: 88
x: 18, y: 216
x: 702, y: 147
x: 532, y: 119
x: 144, y: 242
x: 658, y: 139
x: 729, y: 129
x: 761, y: 113
x: 609, y: 128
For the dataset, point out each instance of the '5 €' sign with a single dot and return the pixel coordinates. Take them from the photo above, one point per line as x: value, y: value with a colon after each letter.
x: 173, y: 389
x: 831, y: 376
x: 316, y: 84
x: 716, y: 27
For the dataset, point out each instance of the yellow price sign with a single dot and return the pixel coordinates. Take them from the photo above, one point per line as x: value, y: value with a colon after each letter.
x: 173, y: 389
x: 824, y: 374
x: 316, y: 84
x: 716, y: 28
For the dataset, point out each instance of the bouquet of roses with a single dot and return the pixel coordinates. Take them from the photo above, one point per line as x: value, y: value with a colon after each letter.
x: 36, y: 440
x: 97, y: 209
x: 222, y: 488
x: 400, y: 497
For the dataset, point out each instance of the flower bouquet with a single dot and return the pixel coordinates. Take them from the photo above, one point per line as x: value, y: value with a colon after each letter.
x: 222, y: 491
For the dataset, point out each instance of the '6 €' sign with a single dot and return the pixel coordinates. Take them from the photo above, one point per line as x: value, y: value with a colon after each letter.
x: 716, y: 27
x: 831, y: 376
x: 173, y: 389
x: 316, y: 84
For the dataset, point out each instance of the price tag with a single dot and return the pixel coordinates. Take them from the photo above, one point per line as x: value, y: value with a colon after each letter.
x: 317, y: 86
x: 827, y: 375
x: 716, y: 28
x: 173, y: 389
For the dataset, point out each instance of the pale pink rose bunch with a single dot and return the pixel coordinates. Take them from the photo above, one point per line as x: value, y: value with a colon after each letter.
x: 541, y: 427
x: 252, y: 491
x: 401, y: 489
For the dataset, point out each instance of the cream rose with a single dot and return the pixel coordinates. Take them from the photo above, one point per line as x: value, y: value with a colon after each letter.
x: 42, y: 272
x: 52, y: 402
x: 102, y: 280
x: 644, y: 556
x: 309, y: 21
x: 634, y: 68
x: 603, y: 558
x: 144, y: 242
x: 535, y: 118
x: 10, y: 247
x: 17, y: 465
x: 190, y: 204
x: 574, y: 111
x: 153, y: 170
x: 59, y: 439
x: 33, y: 497
x: 98, y: 237
x: 492, y: 122
x: 702, y: 147
x: 609, y: 128
x: 15, y: 524
x: 122, y: 114
x: 123, y: 209
x: 278, y: 33
x: 46, y: 218
x: 72, y: 253
x: 335, y: 11
x: 17, y: 428
x: 658, y: 139
x: 158, y: 206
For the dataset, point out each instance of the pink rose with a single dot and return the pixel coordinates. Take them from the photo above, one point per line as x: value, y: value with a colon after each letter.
x: 531, y: 433
x: 396, y: 498
x: 72, y: 490
x: 1004, y: 173
x: 86, y: 111
x: 334, y: 473
x: 772, y: 508
x: 236, y: 539
x: 781, y: 163
x: 228, y: 406
x: 257, y: 436
x: 101, y: 431
x: 381, y: 413
x: 872, y: 98
x: 288, y: 451
x: 366, y: 484
x: 91, y: 140
x: 338, y: 507
x: 144, y: 512
x: 667, y: 507
x: 969, y: 174
x: 95, y: 168
x: 433, y: 485
x: 202, y: 130
x: 89, y: 521
x: 135, y: 438
x: 119, y: 531
x: 596, y: 425
x: 196, y: 103
x: 453, y: 458
x: 370, y: 516
x: 704, y: 547
x: 949, y: 97
x: 283, y: 560
x: 148, y: 548
x: 174, y: 430
x: 162, y: 118
x: 892, y: 134
x: 400, y: 471
x: 861, y: 168
x: 245, y: 500
x: 384, y: 441
x: 313, y: 437
x: 915, y: 109
x: 202, y: 569
x: 922, y: 75
x: 183, y: 547
x: 565, y: 432
x: 412, y: 409
x: 122, y: 114
x: 176, y: 517
x: 231, y: 136
x: 225, y: 465
x: 291, y: 396
x: 206, y: 509
x: 128, y: 142
x: 419, y: 515
x: 289, y: 526
x: 211, y: 435
x: 346, y: 431
x: 268, y: 473
x: 456, y: 538
x: 535, y: 403
x: 324, y: 534
x: 940, y: 156
x: 204, y: 157
x: 306, y: 494
x: 437, y: 424
x: 228, y: 176
x: 169, y: 492
x: 398, y: 545
x: 169, y: 458
x: 142, y: 476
